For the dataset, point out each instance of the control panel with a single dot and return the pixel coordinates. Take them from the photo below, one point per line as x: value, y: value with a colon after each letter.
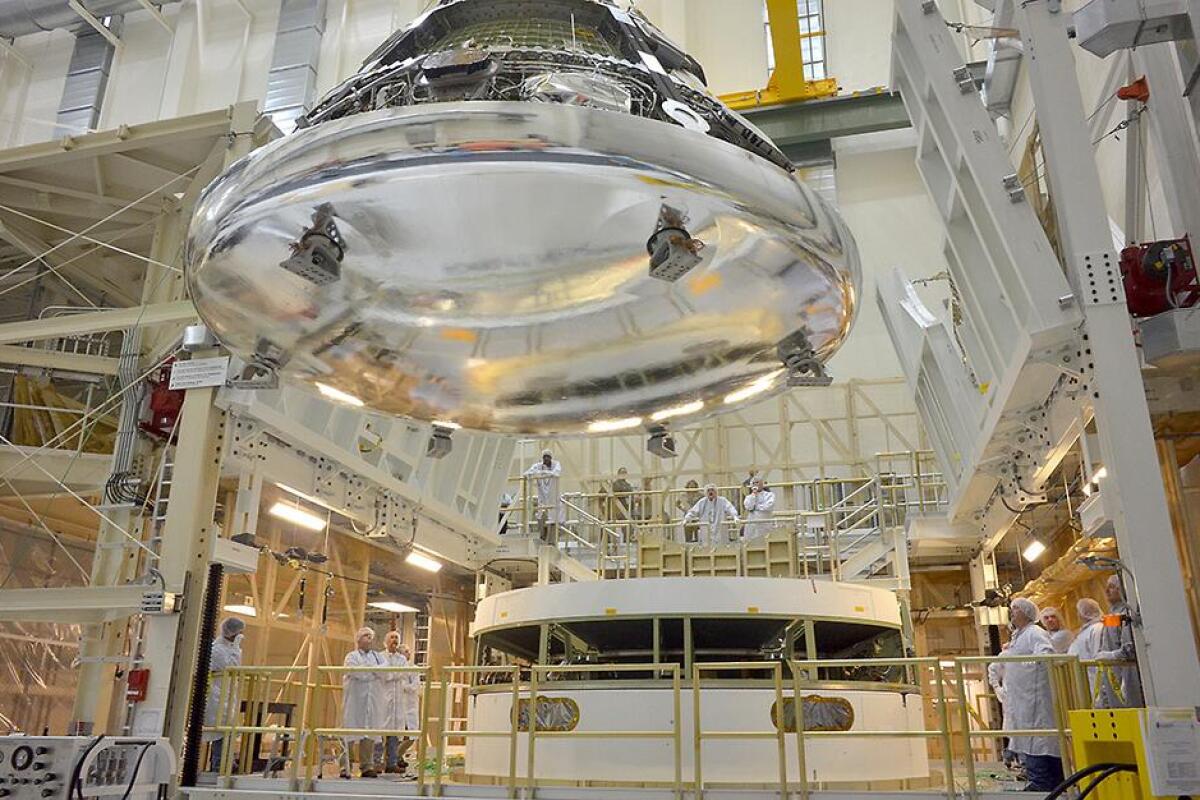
x: 74, y: 767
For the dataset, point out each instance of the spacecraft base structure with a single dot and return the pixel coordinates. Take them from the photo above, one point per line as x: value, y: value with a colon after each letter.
x: 528, y: 218
x: 728, y: 620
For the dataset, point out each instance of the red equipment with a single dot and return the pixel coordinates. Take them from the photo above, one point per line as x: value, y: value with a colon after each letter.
x: 1160, y: 276
x: 165, y: 403
x: 1138, y: 91
x: 136, y: 684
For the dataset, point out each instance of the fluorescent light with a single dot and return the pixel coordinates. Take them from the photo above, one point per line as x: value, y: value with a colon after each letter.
x: 450, y: 426
x: 761, y: 385
x: 1099, y: 474
x: 609, y: 425
x: 423, y: 561
x: 339, y: 395
x: 946, y: 664
x: 239, y: 608
x: 300, y: 494
x: 305, y: 519
x: 1033, y: 551
x: 677, y: 411
x: 392, y: 606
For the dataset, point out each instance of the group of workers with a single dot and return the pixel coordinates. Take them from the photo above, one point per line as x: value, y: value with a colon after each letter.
x: 711, y: 520
x: 1023, y: 688
x: 718, y: 520
x: 381, y: 700
x: 387, y: 701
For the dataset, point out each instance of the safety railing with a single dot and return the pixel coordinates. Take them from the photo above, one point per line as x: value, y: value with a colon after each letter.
x: 608, y: 539
x: 322, y: 710
x: 699, y: 735
x: 946, y: 693
x: 244, y: 701
x: 1068, y: 691
x: 444, y: 733
x: 810, y: 668
x: 675, y: 734
x: 902, y: 483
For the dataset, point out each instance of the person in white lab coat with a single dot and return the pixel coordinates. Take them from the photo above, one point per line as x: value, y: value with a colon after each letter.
x: 760, y: 509
x: 226, y: 652
x: 395, y: 713
x: 1060, y: 637
x: 995, y: 675
x: 361, y: 702
x: 551, y: 511
x: 1086, y: 645
x: 712, y: 512
x: 1030, y: 701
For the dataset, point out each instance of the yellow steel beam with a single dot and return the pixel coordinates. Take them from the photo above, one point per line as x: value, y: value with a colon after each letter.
x: 788, y: 83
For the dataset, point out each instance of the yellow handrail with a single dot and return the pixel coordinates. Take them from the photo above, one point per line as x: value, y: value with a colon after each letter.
x: 699, y: 735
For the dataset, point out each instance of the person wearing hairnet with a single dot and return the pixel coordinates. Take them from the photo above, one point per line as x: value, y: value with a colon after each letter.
x: 760, y: 508
x: 1086, y: 645
x: 1029, y: 700
x: 1060, y: 636
x: 226, y: 652
x: 394, y: 714
x: 712, y: 511
x: 1122, y: 687
x: 551, y: 512
x: 361, y: 702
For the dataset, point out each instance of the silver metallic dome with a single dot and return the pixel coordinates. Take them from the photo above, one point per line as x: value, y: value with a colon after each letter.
x: 553, y: 258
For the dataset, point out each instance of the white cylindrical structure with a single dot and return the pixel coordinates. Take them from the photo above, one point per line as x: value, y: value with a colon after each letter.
x: 687, y: 621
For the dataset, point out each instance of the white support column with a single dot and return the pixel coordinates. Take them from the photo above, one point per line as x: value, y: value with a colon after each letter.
x: 1173, y: 131
x: 171, y: 640
x: 1168, y: 656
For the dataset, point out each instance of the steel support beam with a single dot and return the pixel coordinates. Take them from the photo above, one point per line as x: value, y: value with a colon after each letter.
x: 309, y: 457
x: 1133, y: 486
x: 80, y: 472
x: 96, y: 24
x: 157, y: 15
x: 94, y: 604
x: 1173, y: 129
x: 98, y: 322
x: 800, y: 124
x: 187, y: 534
x: 53, y: 359
x: 142, y: 136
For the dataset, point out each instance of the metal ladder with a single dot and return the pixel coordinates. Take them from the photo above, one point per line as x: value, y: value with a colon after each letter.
x: 421, y: 639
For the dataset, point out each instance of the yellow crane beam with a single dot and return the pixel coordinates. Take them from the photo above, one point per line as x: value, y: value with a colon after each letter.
x: 787, y: 83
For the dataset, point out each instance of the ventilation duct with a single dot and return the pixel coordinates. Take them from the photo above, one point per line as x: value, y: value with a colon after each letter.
x: 87, y: 79
x: 23, y: 17
x: 292, y: 81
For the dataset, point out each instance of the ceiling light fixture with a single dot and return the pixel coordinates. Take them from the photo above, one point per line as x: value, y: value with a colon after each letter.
x: 423, y: 561
x: 305, y: 519
x: 241, y: 608
x: 1033, y: 551
x: 393, y: 606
